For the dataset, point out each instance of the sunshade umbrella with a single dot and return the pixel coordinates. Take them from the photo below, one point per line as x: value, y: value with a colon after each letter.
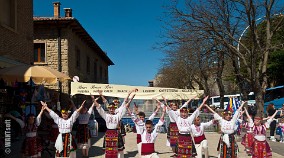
x: 38, y: 74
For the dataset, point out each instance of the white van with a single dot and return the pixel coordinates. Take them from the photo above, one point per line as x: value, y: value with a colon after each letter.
x: 215, y: 100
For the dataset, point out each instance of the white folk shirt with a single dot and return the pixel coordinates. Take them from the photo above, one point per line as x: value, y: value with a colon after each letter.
x: 64, y: 126
x: 257, y: 130
x: 151, y: 137
x: 184, y: 124
x: 175, y: 113
x: 37, y: 123
x: 84, y: 118
x: 139, y: 124
x: 227, y: 127
x: 199, y: 130
x: 112, y: 121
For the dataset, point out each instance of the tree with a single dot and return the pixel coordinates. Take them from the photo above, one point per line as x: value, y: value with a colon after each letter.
x: 223, y: 21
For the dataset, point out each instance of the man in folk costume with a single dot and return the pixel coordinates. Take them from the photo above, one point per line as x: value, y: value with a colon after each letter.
x: 113, y: 141
x: 172, y: 134
x: 148, y: 137
x: 140, y: 124
x: 227, y: 146
x: 185, y: 147
x: 83, y: 131
x: 260, y: 146
x: 65, y: 144
x: 199, y: 136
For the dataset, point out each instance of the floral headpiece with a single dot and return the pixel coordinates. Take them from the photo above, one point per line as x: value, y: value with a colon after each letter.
x: 112, y: 105
x: 63, y: 111
x: 226, y: 113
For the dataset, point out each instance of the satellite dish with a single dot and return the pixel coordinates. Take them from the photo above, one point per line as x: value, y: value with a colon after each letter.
x: 76, y: 79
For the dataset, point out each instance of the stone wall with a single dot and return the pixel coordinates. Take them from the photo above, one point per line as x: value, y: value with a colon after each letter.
x: 17, y: 43
x: 70, y: 41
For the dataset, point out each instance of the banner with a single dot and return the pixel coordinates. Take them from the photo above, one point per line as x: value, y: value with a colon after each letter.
x: 121, y: 91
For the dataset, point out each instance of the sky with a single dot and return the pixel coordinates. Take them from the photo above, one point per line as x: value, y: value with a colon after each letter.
x: 127, y: 30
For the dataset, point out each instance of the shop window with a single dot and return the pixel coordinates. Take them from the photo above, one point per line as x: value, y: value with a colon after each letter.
x: 39, y: 52
x: 8, y: 13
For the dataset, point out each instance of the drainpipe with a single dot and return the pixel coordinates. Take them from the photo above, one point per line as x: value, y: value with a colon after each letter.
x: 59, y: 60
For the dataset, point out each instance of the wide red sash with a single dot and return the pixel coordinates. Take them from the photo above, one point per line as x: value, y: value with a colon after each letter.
x: 138, y: 138
x: 147, y: 148
x: 199, y: 139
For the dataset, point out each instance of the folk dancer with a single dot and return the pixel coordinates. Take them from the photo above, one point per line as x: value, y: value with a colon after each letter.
x: 65, y: 143
x: 260, y: 146
x: 31, y: 147
x: 247, y: 139
x: 140, y: 124
x: 185, y: 147
x: 227, y: 146
x: 113, y: 142
x: 148, y: 137
x: 199, y: 136
x: 118, y: 109
x: 172, y: 134
x: 83, y: 133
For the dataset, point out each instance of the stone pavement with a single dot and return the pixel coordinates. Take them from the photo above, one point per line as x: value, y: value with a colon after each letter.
x: 160, y: 146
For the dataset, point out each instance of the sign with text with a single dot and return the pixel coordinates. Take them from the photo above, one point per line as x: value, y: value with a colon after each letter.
x: 121, y: 91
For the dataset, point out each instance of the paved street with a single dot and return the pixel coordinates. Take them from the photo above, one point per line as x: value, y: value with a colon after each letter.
x: 162, y: 150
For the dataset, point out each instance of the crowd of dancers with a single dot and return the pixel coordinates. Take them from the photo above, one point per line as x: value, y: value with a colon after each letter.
x: 185, y: 134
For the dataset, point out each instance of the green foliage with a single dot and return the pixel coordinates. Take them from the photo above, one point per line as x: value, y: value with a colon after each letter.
x: 275, y: 67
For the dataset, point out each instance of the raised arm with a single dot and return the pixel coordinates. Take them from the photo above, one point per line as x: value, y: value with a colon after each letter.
x: 267, y: 123
x: 281, y: 113
x: 155, y: 112
x: 81, y: 107
x: 216, y: 115
x: 130, y: 100
x: 52, y: 114
x: 203, y: 103
x: 247, y: 114
x: 236, y: 114
x: 100, y: 109
x: 38, y: 118
x: 91, y: 109
x: 21, y: 122
x: 161, y: 121
x: 207, y: 124
x: 103, y: 98
x: 126, y: 99
x: 271, y: 117
x: 162, y: 104
x: 187, y: 102
x: 196, y: 112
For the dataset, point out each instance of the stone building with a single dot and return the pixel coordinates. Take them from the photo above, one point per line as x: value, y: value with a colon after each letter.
x: 63, y: 44
x: 16, y: 32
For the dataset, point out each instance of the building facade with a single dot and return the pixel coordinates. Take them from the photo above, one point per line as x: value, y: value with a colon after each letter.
x: 63, y: 44
x: 16, y: 32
